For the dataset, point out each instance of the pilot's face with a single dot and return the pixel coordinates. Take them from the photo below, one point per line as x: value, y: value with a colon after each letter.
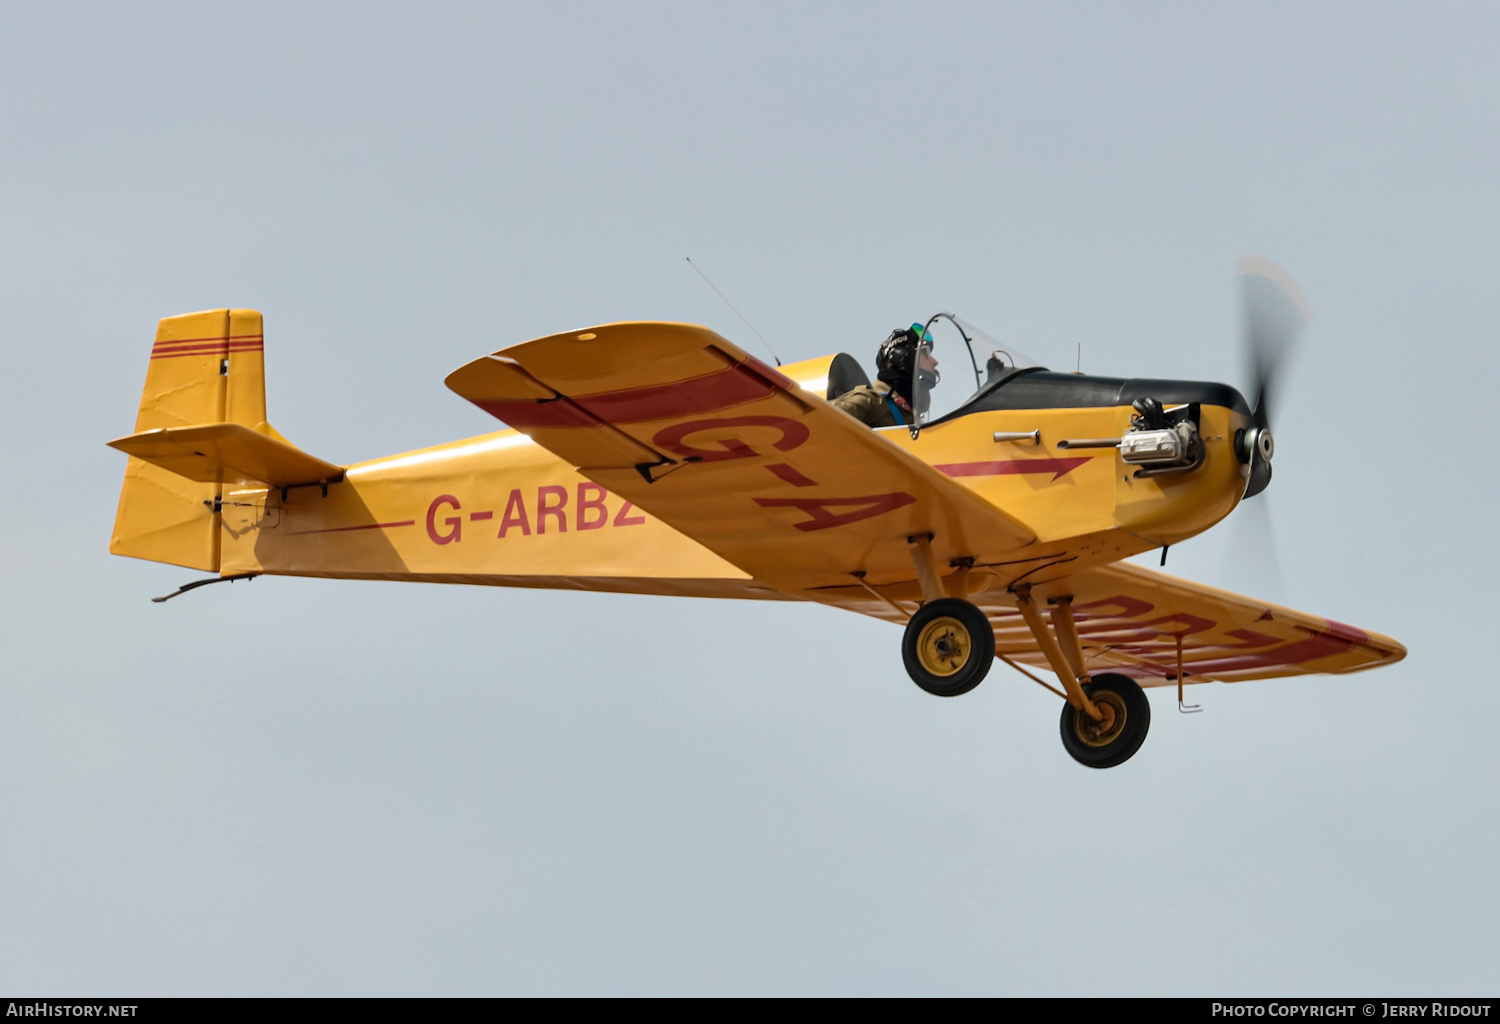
x: 925, y: 360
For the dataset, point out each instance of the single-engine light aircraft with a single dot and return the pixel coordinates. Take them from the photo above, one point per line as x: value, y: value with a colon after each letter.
x: 659, y: 458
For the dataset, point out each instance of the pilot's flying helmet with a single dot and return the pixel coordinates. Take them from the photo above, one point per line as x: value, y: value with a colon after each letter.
x: 899, y: 353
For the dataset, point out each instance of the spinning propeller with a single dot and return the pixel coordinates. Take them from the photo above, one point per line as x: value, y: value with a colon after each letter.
x: 1275, y: 313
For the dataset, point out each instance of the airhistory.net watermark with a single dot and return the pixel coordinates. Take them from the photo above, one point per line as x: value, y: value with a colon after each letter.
x: 39, y: 1008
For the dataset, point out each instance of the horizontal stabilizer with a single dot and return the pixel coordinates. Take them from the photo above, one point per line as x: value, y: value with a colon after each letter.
x: 227, y: 451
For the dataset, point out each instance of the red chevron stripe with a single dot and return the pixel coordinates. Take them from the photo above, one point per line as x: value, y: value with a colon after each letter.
x: 723, y: 389
x: 531, y: 413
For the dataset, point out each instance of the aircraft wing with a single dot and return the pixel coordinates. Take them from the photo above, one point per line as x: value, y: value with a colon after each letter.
x: 733, y: 454
x: 1130, y: 619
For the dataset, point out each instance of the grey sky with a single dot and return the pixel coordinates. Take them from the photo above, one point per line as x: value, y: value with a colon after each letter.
x: 290, y: 786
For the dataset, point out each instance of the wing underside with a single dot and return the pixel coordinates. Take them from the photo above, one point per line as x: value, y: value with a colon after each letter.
x: 1131, y: 620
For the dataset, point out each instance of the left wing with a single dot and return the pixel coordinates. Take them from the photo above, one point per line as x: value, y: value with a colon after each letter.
x: 730, y: 452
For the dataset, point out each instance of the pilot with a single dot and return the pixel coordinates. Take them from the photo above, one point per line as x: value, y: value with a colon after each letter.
x: 888, y: 401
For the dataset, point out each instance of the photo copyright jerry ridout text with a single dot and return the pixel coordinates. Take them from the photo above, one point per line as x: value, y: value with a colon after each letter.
x: 47, y: 1009
x: 1437, y: 1009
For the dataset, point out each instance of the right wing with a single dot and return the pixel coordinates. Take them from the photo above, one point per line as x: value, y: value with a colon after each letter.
x: 733, y: 454
x: 1131, y: 620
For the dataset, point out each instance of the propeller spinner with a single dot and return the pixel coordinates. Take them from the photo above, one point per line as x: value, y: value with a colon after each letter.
x: 1275, y: 312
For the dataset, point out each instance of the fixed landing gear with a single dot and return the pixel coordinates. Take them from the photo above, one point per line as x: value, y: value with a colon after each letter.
x: 948, y: 647
x: 1125, y: 715
x: 949, y: 644
x: 1106, y: 717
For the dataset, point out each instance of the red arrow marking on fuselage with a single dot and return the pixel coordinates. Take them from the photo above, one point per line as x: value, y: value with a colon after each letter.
x: 1059, y: 468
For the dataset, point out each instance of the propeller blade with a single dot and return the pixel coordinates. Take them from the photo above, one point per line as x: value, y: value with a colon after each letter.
x: 1275, y: 312
x: 1253, y: 560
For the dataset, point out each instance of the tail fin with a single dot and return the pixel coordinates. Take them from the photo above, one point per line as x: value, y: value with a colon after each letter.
x: 205, y: 368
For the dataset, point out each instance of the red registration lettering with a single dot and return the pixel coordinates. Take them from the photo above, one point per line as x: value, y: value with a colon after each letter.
x: 545, y: 508
x: 674, y: 438
x: 456, y: 523
x: 515, y: 515
x: 591, y: 511
x: 1248, y: 640
x: 1129, y: 608
x: 821, y: 509
x: 551, y: 504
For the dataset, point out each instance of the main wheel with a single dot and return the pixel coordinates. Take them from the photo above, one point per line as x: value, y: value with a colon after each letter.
x: 948, y: 647
x: 1111, y: 741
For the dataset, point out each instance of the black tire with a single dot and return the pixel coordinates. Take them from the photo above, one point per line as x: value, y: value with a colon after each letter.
x: 1131, y: 712
x: 948, y: 647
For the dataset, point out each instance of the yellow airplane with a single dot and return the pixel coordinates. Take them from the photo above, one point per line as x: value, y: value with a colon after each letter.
x: 659, y: 458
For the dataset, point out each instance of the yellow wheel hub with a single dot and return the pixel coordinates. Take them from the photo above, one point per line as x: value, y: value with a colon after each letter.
x: 944, y: 646
x: 1108, y: 728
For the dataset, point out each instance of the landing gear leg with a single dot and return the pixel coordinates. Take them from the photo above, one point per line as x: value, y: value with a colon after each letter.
x: 1106, y: 718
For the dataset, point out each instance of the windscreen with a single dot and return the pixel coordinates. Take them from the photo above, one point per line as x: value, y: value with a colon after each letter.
x: 956, y: 361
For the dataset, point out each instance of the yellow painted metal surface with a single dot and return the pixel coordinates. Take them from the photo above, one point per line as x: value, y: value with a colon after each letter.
x: 221, y: 453
x: 495, y: 509
x: 1050, y: 652
x: 733, y: 454
x: 162, y: 516
x: 1063, y: 493
x: 661, y: 459
x: 810, y: 374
